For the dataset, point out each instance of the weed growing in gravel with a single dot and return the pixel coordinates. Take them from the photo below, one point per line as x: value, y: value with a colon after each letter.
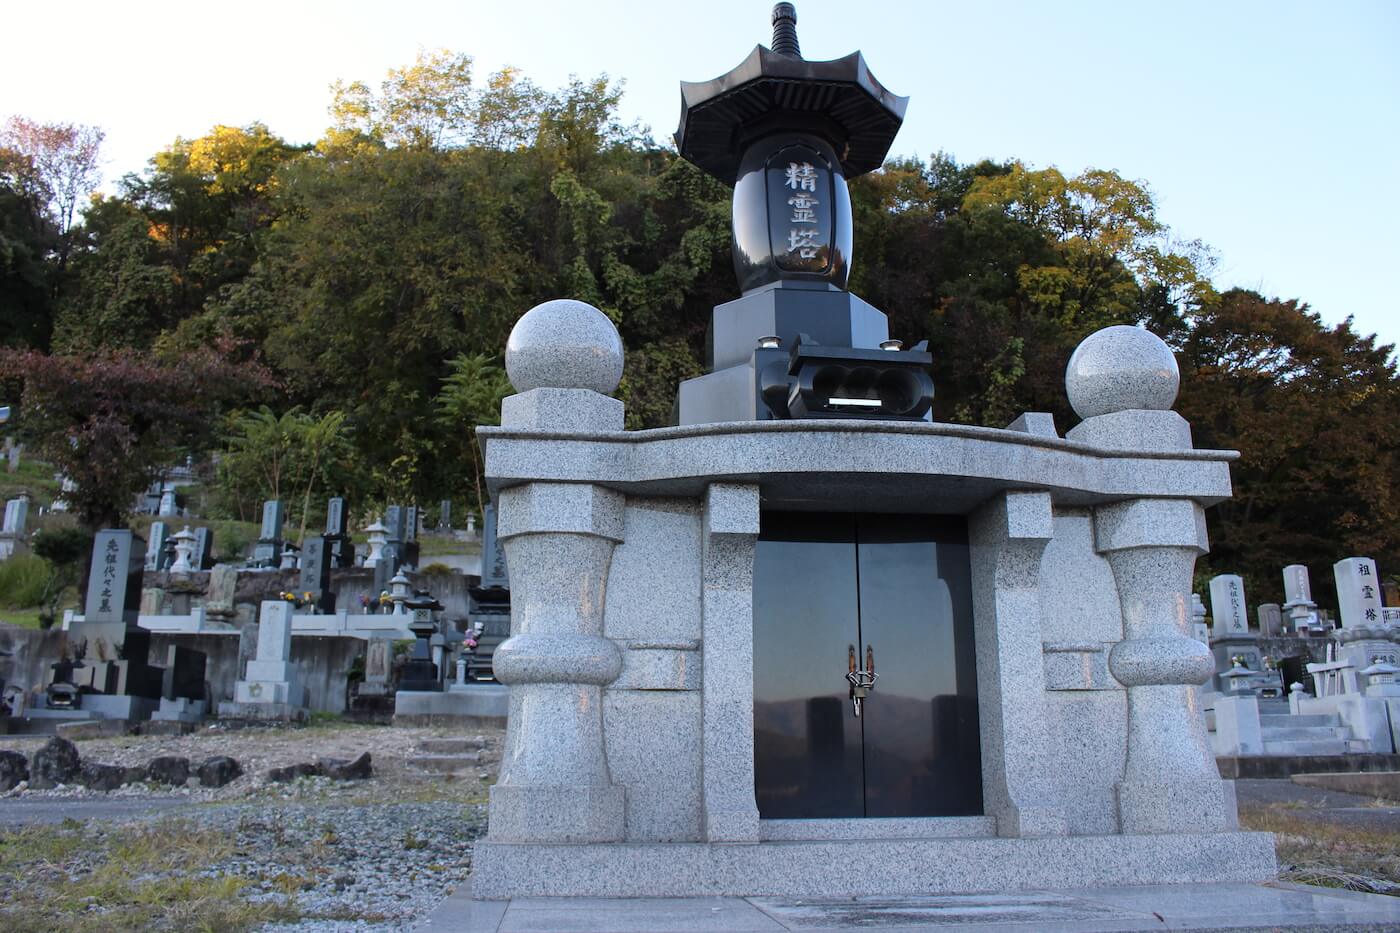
x: 147, y: 877
x: 1313, y: 852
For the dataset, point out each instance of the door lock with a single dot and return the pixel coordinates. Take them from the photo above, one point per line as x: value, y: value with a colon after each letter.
x: 861, y: 681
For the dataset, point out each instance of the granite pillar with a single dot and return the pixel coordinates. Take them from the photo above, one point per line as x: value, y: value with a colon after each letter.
x: 1008, y: 537
x: 1170, y: 782
x: 554, y: 784
x: 729, y: 534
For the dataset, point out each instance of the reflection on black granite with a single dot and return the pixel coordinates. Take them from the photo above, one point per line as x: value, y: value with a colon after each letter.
x: 897, y: 584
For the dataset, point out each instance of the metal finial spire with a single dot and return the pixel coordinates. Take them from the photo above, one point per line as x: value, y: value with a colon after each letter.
x: 785, y: 30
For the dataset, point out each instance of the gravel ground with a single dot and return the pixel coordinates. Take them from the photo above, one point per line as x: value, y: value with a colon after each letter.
x: 368, y: 855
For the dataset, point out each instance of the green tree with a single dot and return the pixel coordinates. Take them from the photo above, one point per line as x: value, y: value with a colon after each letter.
x: 1311, y: 409
x: 268, y: 456
x: 471, y: 396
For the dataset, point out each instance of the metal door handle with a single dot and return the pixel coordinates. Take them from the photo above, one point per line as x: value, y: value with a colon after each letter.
x: 861, y: 681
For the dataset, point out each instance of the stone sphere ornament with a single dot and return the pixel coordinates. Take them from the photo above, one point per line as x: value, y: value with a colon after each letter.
x: 564, y: 344
x: 1121, y: 368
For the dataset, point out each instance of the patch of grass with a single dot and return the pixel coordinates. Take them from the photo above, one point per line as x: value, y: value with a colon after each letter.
x: 24, y: 618
x: 1311, y: 851
x: 150, y: 877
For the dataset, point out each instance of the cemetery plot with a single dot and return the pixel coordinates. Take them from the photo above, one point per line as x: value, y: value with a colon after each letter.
x: 384, y: 849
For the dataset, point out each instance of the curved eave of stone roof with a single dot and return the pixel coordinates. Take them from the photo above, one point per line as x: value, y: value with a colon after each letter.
x: 767, y: 86
x: 913, y: 466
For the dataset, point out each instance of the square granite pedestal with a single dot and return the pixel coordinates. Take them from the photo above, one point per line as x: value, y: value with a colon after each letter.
x: 866, y: 866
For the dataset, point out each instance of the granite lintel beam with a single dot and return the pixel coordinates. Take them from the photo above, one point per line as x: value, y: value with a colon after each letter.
x: 961, y: 466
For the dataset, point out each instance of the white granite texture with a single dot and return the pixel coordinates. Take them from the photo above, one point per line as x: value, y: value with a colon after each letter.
x: 890, y: 866
x: 654, y: 583
x: 580, y: 410
x: 554, y: 782
x: 658, y: 767
x: 730, y: 530
x: 564, y: 344
x: 1119, y: 368
x: 1008, y: 537
x: 631, y: 658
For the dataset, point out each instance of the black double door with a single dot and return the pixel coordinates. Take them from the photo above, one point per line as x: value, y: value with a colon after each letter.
x: 889, y: 591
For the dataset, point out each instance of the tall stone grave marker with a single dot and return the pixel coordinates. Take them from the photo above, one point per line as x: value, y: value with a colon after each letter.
x: 268, y: 550
x: 1363, y: 636
x: 12, y: 531
x: 1231, y: 637
x: 412, y: 516
x: 155, y: 547
x: 167, y: 506
x: 1298, y: 605
x: 203, y: 556
x: 1227, y: 606
x: 1358, y: 592
x: 445, y: 516
x: 493, y: 555
x: 271, y: 677
x: 114, y: 583
x: 316, y: 573
x: 342, y: 551
x: 16, y: 515
x: 1270, y: 620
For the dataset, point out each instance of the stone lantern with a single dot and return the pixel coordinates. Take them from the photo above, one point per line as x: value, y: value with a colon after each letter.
x: 378, y: 537
x: 420, y: 671
x: 184, y: 550
x: 399, y: 588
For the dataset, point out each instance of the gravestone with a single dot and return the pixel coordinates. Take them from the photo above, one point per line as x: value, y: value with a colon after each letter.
x: 167, y: 506
x: 493, y: 554
x: 342, y: 551
x: 409, y: 557
x: 149, y: 502
x: 219, y: 598
x: 379, y: 662
x: 1231, y: 639
x: 1270, y: 620
x: 12, y: 531
x: 315, y: 576
x: 268, y: 551
x: 114, y: 583
x: 1227, y: 606
x: 271, y: 678
x: 489, y: 603
x: 1298, y: 605
x: 444, y: 524
x: 155, y: 547
x: 395, y: 521
x: 203, y: 556
x: 16, y: 515
x: 1358, y: 592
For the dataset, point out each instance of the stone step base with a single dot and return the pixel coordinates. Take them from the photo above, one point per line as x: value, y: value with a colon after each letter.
x: 840, y: 868
x: 1287, y: 749
x: 1264, y: 766
x: 1305, y: 734
x: 445, y: 764
x: 1289, y: 721
x: 451, y: 746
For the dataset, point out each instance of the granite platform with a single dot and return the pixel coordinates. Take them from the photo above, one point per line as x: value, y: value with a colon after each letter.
x: 1272, y: 906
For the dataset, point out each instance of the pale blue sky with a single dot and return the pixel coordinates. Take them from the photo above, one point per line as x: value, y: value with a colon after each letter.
x: 1270, y: 130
